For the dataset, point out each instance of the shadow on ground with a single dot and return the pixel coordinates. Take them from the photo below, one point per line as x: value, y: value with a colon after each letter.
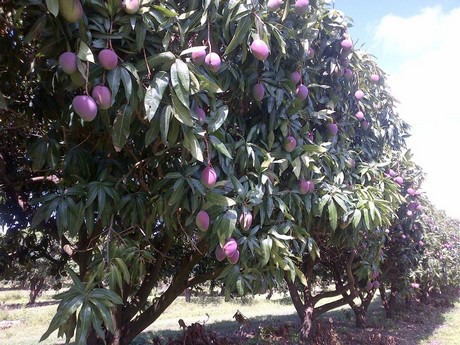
x: 409, y: 326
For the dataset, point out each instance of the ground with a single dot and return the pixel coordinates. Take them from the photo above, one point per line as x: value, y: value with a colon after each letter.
x: 209, y: 320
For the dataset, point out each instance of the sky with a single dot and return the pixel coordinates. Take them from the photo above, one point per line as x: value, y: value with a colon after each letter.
x: 417, y: 43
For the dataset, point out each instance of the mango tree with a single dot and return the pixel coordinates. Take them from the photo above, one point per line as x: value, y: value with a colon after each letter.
x: 438, y: 271
x: 404, y: 240
x: 344, y: 215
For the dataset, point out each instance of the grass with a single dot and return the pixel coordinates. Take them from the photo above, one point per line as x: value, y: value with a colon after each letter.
x: 435, y: 326
x: 448, y: 333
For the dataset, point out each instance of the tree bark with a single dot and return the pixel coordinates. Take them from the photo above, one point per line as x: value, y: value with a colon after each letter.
x: 307, y: 322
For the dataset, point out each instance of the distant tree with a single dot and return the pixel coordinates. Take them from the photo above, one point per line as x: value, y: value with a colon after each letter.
x: 30, y: 258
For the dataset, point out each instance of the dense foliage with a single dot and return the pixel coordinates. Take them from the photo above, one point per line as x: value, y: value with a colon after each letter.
x: 184, y: 141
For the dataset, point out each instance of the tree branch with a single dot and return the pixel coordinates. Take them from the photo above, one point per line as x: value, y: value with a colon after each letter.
x: 332, y: 305
x: 328, y: 294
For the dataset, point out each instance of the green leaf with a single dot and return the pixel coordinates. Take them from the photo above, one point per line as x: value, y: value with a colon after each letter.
x: 39, y: 153
x: 372, y: 210
x: 366, y: 219
x: 266, y: 245
x: 162, y: 61
x: 280, y: 236
x: 103, y: 312
x: 323, y: 201
x: 154, y: 94
x: 218, y: 120
x: 338, y: 199
x: 85, y: 53
x: 192, y: 144
x: 193, y: 49
x: 356, y: 218
x: 180, y: 80
x: 127, y: 82
x: 166, y: 11
x: 240, y: 285
x: 165, y: 119
x: 217, y: 199
x: 53, y: 7
x: 241, y: 34
x: 97, y: 324
x: 332, y: 210
x: 280, y: 39
x: 113, y: 79
x: 181, y: 112
x: 173, y: 175
x: 124, y: 269
x: 36, y: 29
x: 84, y: 323
x: 105, y: 294
x: 121, y: 127
x: 141, y: 30
x: 220, y: 146
x: 237, y: 185
x: 68, y: 329
x: 314, y: 149
x: 3, y: 104
x: 65, y: 310
x: 296, y: 167
x: 301, y: 276
x: 225, y: 225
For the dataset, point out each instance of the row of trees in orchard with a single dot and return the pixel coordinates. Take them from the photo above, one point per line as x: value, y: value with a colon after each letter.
x: 188, y: 141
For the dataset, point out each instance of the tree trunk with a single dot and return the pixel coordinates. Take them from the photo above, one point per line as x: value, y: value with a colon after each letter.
x: 304, y: 309
x: 307, y: 323
x: 36, y: 286
x: 360, y: 317
x: 361, y: 311
x: 384, y: 299
x: 388, y: 303
x: 188, y: 295
x: 392, y: 301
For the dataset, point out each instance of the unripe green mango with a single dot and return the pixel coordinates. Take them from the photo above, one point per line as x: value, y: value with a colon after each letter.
x: 71, y: 10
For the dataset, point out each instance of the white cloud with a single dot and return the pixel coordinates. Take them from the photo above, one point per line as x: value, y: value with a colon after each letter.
x: 423, y: 52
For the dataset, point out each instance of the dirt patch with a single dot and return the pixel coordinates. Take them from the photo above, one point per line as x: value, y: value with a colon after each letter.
x: 7, y: 324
